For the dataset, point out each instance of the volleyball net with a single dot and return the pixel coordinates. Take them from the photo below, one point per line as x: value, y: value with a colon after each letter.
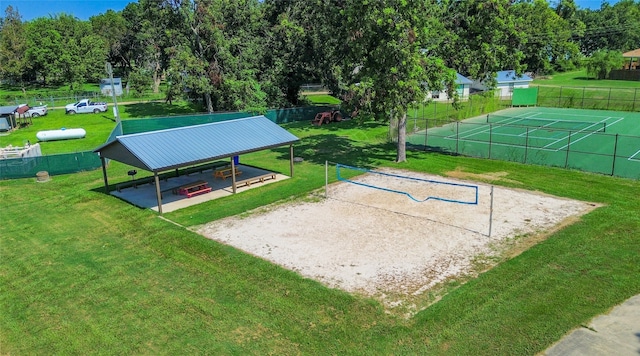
x: 423, y: 189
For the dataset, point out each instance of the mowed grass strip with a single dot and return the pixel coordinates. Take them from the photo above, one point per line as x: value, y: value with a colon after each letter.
x: 580, y: 78
x: 83, y: 272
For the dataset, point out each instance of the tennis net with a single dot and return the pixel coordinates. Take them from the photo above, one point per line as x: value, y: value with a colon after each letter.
x: 552, y: 124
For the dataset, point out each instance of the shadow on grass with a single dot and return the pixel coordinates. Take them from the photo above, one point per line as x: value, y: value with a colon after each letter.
x: 360, y: 144
x: 307, y: 127
x: 161, y: 109
x: 339, y: 149
x: 109, y: 118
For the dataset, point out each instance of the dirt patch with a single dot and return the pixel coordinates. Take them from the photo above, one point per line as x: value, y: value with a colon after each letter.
x: 398, y: 239
x: 483, y: 177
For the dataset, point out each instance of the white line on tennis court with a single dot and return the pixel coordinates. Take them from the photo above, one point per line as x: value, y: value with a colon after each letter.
x: 528, y: 132
x: 582, y: 130
x: 487, y: 128
x: 591, y: 133
x: 483, y: 130
x: 584, y: 115
x: 633, y: 156
x: 504, y: 144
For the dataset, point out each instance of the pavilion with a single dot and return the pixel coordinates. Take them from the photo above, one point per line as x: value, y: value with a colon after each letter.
x: 170, y: 149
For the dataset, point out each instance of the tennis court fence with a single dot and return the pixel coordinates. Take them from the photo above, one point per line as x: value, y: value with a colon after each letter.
x: 619, y: 99
x: 586, y: 149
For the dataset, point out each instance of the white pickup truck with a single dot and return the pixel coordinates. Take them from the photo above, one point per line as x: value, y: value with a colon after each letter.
x: 85, y: 106
x: 34, y: 111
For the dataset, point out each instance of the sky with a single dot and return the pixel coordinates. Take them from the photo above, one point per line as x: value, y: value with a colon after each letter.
x: 30, y: 9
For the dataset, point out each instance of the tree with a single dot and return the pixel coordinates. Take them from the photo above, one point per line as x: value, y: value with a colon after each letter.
x: 602, y: 62
x: 155, y: 23
x: 287, y: 55
x: 95, y: 52
x: 140, y: 81
x: 13, y: 62
x: 44, y: 45
x: 65, y: 50
x: 217, y: 51
x: 611, y: 27
x: 389, y: 65
x: 549, y: 46
x: 481, y: 38
x: 113, y: 28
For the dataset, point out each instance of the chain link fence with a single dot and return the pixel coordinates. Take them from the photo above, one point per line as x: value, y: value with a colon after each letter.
x: 50, y: 101
x: 619, y: 99
x: 58, y: 99
x: 598, y: 152
x: 421, y: 115
x: 25, y: 167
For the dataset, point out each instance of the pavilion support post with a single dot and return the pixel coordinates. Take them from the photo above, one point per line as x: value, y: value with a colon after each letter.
x: 291, y: 161
x: 104, y: 174
x: 158, y: 194
x: 233, y: 175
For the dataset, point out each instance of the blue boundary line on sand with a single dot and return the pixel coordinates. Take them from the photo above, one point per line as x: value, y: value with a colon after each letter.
x: 475, y: 187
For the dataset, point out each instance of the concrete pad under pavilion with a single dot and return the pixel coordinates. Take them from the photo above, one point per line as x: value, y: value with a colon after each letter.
x: 144, y: 195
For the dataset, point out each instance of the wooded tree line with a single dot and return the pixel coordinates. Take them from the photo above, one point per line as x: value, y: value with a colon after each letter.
x: 377, y: 56
x: 251, y: 54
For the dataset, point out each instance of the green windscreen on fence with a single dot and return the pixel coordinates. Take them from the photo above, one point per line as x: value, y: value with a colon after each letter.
x: 279, y: 116
x: 53, y: 164
x: 525, y: 97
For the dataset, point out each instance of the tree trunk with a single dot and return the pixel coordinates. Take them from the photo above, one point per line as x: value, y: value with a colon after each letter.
x: 208, y: 103
x: 402, y: 139
x: 157, y: 77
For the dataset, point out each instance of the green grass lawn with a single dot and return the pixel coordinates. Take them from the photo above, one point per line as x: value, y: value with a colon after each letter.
x: 322, y: 99
x: 97, y: 126
x: 579, y: 78
x: 84, y: 272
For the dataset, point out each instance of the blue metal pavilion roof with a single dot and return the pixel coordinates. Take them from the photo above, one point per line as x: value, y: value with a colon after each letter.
x: 509, y: 76
x: 460, y: 79
x: 163, y: 150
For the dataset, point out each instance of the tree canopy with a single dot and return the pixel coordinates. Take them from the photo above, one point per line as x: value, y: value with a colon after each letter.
x: 378, y: 56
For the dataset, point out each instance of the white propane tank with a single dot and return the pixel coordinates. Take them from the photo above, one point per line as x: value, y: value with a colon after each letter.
x: 62, y: 134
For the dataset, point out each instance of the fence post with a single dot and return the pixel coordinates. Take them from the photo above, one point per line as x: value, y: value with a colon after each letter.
x: 615, y: 152
x: 426, y: 133
x: 582, y: 105
x: 635, y: 96
x: 457, y: 135
x: 526, y: 146
x: 435, y: 109
x: 609, y: 99
x: 566, y: 160
x: 490, y: 139
x: 560, y: 98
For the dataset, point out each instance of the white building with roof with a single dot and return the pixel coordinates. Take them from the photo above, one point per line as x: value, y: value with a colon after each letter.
x: 463, y: 86
x: 507, y: 80
x: 106, y: 88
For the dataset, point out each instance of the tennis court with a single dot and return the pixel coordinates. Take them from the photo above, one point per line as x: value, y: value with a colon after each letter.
x: 599, y: 141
